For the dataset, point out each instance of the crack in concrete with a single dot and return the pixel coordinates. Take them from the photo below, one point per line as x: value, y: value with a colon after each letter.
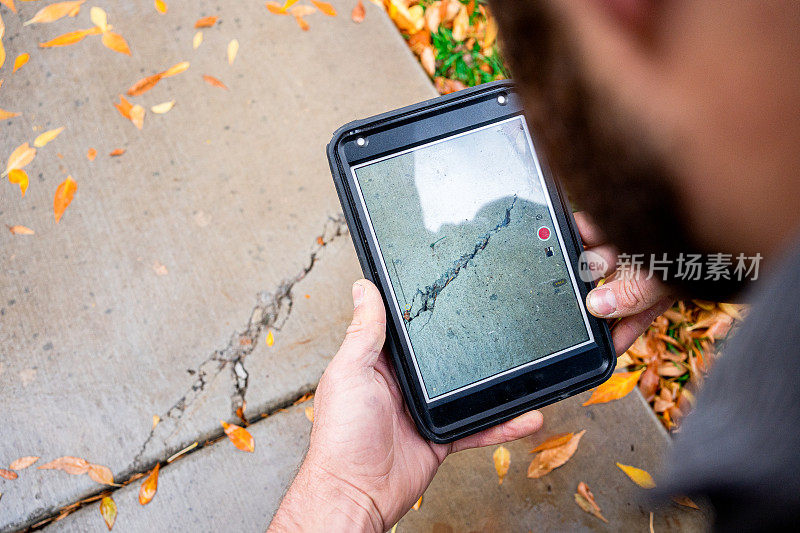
x: 271, y: 312
x: 429, y: 295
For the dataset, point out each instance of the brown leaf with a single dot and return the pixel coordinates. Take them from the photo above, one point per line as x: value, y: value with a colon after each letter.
x: 19, y: 177
x: 64, y: 194
x: 325, y: 7
x: 502, y: 460
x: 553, y: 442
x: 638, y: 476
x: 548, y: 460
x: 21, y: 230
x: 117, y: 152
x: 617, y: 386
x: 114, y: 41
x: 211, y: 80
x: 108, y: 510
x: 648, y: 384
x: 685, y: 501
x: 585, y: 500
x: 8, y: 474
x: 20, y: 61
x: 239, y: 436
x: 149, y: 487
x: 23, y: 462
x: 358, y: 13
x: 205, y: 22
x: 56, y: 11
x: 71, y: 465
x: 447, y: 86
x: 70, y: 38
x: 101, y: 474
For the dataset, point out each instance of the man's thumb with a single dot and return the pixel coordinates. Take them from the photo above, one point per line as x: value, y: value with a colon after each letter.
x: 367, y: 331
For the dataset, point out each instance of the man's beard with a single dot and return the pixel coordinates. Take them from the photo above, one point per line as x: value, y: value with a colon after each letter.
x: 603, y: 160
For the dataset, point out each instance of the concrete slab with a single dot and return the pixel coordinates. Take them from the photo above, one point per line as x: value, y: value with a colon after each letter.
x: 155, y: 292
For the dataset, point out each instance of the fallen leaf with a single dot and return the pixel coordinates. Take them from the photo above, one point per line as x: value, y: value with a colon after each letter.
x: 55, y: 11
x: 490, y: 34
x: 7, y: 114
x: 2, y: 48
x: 616, y: 387
x: 137, y: 116
x: 117, y: 152
x: 20, y: 157
x: 585, y: 500
x: 288, y: 4
x: 270, y: 338
x: 91, y: 154
x: 163, y: 107
x: 197, y: 40
x: 358, y: 13
x: 502, y: 460
x: 553, y: 442
x: 20, y: 230
x: 70, y: 38
x: 211, y: 80
x: 428, y: 60
x: 240, y: 437
x: 124, y: 107
x: 114, y: 41
x: 71, y: 465
x: 324, y: 7
x: 417, y: 505
x: 23, y: 462
x: 403, y: 17
x: 205, y: 22
x: 302, y: 11
x: 149, y: 487
x: 184, y: 451
x: 156, y: 420
x: 64, y: 194
x: 147, y: 83
x: 99, y: 18
x: 161, y: 7
x: 275, y: 8
x: 20, y: 177
x: 233, y: 49
x: 8, y: 474
x: 309, y: 410
x: 550, y: 459
x: 638, y: 476
x: 46, y: 137
x: 160, y: 270
x: 460, y: 24
x: 101, y: 474
x: 302, y: 23
x: 108, y: 510
x: 685, y: 501
x: 433, y: 17
x: 20, y: 61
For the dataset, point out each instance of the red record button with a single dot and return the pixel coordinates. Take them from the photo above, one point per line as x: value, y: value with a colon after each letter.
x: 544, y: 233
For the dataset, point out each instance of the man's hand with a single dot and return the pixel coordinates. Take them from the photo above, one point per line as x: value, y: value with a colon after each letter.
x: 634, y: 300
x: 366, y: 464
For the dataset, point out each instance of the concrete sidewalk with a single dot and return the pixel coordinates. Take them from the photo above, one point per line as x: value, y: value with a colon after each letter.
x: 220, y: 223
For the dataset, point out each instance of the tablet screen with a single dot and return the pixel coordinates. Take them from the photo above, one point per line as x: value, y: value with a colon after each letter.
x: 466, y: 236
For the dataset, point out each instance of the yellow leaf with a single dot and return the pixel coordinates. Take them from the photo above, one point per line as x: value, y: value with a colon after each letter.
x: 460, y: 24
x: 617, y: 386
x: 20, y: 230
x: 101, y: 474
x: 162, y: 108
x: 175, y: 69
x: 270, y: 338
x: 149, y: 487
x: 23, y: 462
x: 2, y: 53
x: 161, y: 6
x: 288, y: 4
x: 233, y: 49
x: 325, y: 7
x: 490, y: 35
x: 21, y: 156
x: 309, y: 410
x: 64, y: 194
x: 99, y: 18
x: 108, y: 510
x: 550, y: 459
x: 638, y: 476
x: 56, y: 11
x: 70, y: 38
x: 275, y: 8
x: 197, y: 40
x: 9, y: 4
x: 7, y: 114
x: 156, y: 420
x: 19, y: 177
x: 502, y: 460
x: 20, y: 61
x: 46, y: 137
x: 137, y: 116
x: 114, y: 41
x: 239, y: 436
x: 417, y: 505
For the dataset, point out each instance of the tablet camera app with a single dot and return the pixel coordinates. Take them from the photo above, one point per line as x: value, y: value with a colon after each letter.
x: 476, y: 264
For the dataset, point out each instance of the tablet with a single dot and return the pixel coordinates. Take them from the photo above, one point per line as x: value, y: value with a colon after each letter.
x: 470, y: 241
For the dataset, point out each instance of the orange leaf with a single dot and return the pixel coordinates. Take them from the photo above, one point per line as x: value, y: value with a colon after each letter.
x: 19, y: 177
x: 64, y: 194
x: 325, y: 7
x: 115, y: 41
x: 617, y: 386
x: 417, y: 505
x: 117, y: 152
x: 9, y: 4
x: 302, y: 23
x: 302, y: 11
x: 175, y: 69
x: 638, y: 476
x: 47, y: 136
x: 124, y: 107
x: 20, y: 61
x: 553, y: 442
x: 309, y: 410
x: 2, y: 49
x: 71, y: 465
x: 20, y: 230
x: 92, y: 153
x: 23, y: 462
x: 55, y: 11
x: 7, y: 114
x: 211, y: 80
x: 108, y: 510
x: 161, y: 7
x: 685, y: 501
x: 358, y: 13
x: 502, y: 460
x: 21, y: 156
x: 8, y: 474
x: 550, y: 459
x: 149, y: 487
x: 101, y: 474
x: 239, y: 436
x: 205, y: 22
x: 144, y: 85
x: 585, y: 500
x: 70, y: 38
x: 275, y: 8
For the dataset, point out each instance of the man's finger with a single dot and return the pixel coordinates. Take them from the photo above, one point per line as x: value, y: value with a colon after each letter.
x: 516, y: 428
x: 590, y: 233
x: 625, y: 296
x: 367, y: 332
x: 627, y: 330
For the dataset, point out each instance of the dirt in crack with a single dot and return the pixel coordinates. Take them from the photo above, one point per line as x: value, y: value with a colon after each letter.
x: 424, y: 300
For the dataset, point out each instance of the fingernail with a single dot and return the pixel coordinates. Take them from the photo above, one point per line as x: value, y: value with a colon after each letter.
x: 602, y: 302
x: 358, y: 294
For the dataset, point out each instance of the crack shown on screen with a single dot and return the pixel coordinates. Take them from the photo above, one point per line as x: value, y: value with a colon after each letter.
x: 425, y: 299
